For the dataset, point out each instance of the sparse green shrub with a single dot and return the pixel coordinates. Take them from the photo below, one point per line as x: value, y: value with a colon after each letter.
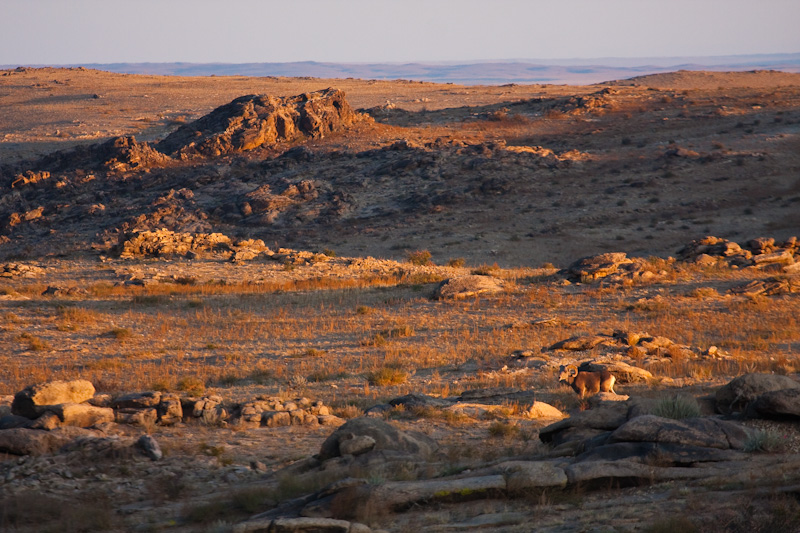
x: 764, y: 440
x: 419, y: 258
x: 677, y: 408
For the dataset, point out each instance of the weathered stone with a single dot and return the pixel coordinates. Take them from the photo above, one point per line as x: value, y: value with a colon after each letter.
x: 82, y: 415
x: 356, y: 445
x: 386, y: 437
x: 623, y: 470
x: 778, y: 404
x: 705, y: 432
x: 623, y: 372
x: 543, y: 410
x: 664, y: 454
x: 468, y: 287
x: 586, y: 342
x: 10, y: 421
x: 137, y: 400
x: 150, y: 447
x: 524, y: 475
x: 33, y: 400
x: 273, y: 419
x: 21, y: 441
x: 330, y: 420
x: 414, y: 401
x: 169, y: 410
x: 136, y: 417
x: 47, y: 421
x: 608, y: 416
x: 595, y: 267
x: 735, y: 396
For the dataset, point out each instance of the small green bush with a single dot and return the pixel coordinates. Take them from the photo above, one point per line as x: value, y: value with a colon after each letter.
x: 677, y: 408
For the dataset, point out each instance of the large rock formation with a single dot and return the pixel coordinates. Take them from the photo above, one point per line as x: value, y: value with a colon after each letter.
x: 252, y: 121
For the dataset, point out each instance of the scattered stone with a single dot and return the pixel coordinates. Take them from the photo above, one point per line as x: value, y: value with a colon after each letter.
x: 164, y: 242
x: 769, y: 287
x: 468, y: 287
x: 544, y: 410
x: 150, y: 447
x: 137, y: 400
x: 21, y: 270
x: 589, y: 269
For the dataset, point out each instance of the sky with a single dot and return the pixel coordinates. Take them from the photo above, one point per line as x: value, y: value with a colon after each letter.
x: 57, y: 32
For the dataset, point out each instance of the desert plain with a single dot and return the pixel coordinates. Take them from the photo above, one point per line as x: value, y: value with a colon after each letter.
x: 344, y: 305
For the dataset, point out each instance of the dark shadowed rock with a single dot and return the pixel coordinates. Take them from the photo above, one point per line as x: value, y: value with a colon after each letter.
x: 150, y: 447
x: 778, y: 404
x: 386, y: 437
x: 255, y: 120
x: 735, y: 396
x: 32, y: 401
x: 607, y: 417
x: 14, y: 421
x: 664, y: 454
x: 706, y: 432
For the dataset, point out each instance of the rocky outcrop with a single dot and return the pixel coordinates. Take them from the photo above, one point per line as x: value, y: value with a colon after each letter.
x: 468, y: 287
x: 163, y: 242
x: 256, y: 120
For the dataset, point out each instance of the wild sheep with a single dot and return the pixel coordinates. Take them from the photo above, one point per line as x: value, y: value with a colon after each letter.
x: 584, y: 382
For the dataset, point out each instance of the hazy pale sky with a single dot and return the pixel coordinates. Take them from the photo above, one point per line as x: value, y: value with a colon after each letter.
x: 240, y: 31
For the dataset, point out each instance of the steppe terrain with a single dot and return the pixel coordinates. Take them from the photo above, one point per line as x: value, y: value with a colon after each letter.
x: 237, y: 281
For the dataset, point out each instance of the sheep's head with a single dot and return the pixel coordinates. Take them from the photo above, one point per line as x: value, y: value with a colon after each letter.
x: 567, y: 373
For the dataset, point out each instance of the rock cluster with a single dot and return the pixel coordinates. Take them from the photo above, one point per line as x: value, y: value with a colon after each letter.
x: 759, y: 252
x: 164, y: 242
x: 19, y: 270
x: 44, y: 417
x: 614, y: 267
x: 255, y: 120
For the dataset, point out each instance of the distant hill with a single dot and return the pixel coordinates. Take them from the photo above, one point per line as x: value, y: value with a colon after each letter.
x: 573, y: 72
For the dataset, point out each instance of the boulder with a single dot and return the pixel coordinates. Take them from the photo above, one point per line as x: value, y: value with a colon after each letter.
x: 273, y: 419
x: 137, y: 400
x: 356, y: 445
x: 150, y: 447
x: 82, y: 415
x: 32, y: 401
x: 607, y: 417
x: 386, y: 437
x: 249, y: 122
x: 467, y: 287
x: 525, y: 475
x: 48, y: 421
x: 784, y: 403
x: 735, y: 396
x: 136, y: 417
x: 705, y: 432
x: 21, y: 441
x: 417, y: 401
x: 544, y: 410
x: 577, y: 344
x: 169, y: 410
x: 14, y: 421
x: 594, y: 267
x: 664, y: 454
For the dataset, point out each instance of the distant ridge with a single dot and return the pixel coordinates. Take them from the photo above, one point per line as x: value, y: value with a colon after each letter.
x: 574, y: 72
